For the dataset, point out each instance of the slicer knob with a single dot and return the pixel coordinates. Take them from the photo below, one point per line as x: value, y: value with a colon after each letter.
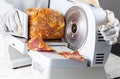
x: 74, y: 28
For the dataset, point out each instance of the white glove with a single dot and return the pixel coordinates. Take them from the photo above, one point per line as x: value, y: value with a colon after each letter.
x: 110, y: 31
x: 9, y: 19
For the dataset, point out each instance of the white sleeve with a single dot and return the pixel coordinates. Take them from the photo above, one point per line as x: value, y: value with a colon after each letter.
x: 5, y: 4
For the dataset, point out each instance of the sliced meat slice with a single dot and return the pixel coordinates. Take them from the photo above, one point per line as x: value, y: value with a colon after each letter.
x: 74, y: 55
x: 39, y: 45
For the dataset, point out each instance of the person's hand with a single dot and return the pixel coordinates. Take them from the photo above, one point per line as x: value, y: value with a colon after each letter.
x: 9, y: 19
x: 13, y: 22
x: 110, y: 31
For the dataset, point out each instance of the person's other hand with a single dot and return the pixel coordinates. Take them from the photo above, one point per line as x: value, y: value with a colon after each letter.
x: 110, y: 31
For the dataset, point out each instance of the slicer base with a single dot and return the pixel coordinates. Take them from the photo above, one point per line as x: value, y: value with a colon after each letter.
x: 52, y: 66
x: 75, y: 73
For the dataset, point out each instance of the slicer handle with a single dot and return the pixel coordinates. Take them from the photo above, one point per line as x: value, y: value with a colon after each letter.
x: 100, y: 15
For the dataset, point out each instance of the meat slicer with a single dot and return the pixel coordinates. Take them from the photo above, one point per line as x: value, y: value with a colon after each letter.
x: 81, y: 33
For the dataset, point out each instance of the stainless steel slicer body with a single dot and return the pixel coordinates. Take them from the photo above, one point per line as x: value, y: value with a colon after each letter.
x: 82, y: 23
x: 82, y: 34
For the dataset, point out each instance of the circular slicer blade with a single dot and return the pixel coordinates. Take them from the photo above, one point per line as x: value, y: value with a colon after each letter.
x: 76, y: 27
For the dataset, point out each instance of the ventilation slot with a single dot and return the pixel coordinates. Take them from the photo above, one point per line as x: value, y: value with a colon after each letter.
x: 99, y: 58
x: 100, y: 37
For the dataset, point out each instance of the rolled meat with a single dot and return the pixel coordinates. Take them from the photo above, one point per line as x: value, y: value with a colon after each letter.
x: 46, y: 21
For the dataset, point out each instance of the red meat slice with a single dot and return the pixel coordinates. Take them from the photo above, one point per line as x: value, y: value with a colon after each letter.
x: 39, y: 45
x: 74, y: 55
